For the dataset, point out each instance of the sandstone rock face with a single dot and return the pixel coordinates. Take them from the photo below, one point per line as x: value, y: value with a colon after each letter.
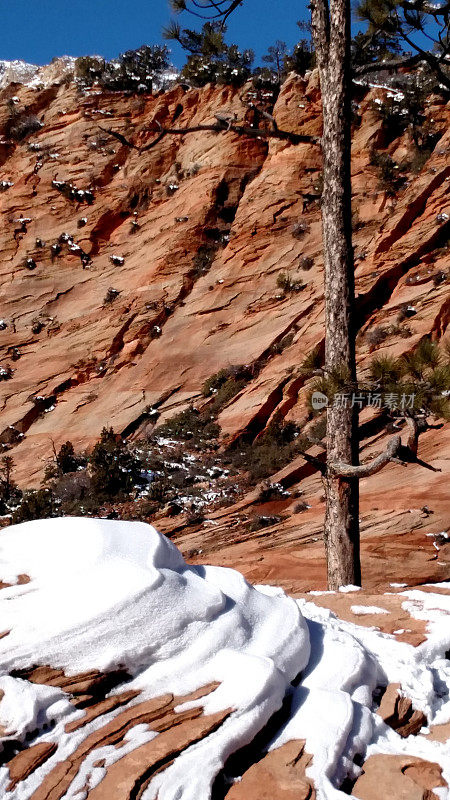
x: 399, y: 777
x: 128, y: 771
x: 20, y: 72
x: 280, y: 774
x: 397, y: 711
x: 83, y: 362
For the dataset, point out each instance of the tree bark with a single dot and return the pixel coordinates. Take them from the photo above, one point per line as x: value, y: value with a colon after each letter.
x: 331, y: 31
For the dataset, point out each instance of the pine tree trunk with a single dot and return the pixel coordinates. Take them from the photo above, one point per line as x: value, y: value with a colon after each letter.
x: 331, y: 29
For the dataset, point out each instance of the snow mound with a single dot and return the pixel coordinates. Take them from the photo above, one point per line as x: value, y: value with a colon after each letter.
x: 106, y: 595
x: 333, y: 708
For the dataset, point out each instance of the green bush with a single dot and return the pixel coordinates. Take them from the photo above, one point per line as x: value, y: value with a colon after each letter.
x: 289, y: 285
x: 227, y: 382
x: 390, y: 174
x: 67, y: 460
x: 210, y: 59
x: 39, y: 504
x: 20, y: 126
x: 302, y: 58
x: 191, y: 425
x: 271, y: 451
x: 132, y: 71
x: 135, y: 70
x: 259, y: 522
x: 89, y: 69
x: 233, y: 68
x: 115, y: 470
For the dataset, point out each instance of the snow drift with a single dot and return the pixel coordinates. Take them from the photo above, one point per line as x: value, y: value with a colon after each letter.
x: 108, y: 596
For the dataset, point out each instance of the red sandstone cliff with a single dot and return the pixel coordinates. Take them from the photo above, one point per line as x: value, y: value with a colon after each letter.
x: 95, y: 363
x: 85, y: 363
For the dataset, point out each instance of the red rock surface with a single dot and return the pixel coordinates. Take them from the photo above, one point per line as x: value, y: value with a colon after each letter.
x: 280, y: 774
x: 93, y: 363
x: 96, y: 364
x: 397, y: 712
x: 27, y: 761
x: 402, y: 777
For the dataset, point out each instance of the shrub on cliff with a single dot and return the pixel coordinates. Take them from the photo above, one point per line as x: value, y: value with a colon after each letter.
x: 271, y: 451
x: 280, y: 61
x: 191, y: 425
x: 404, y: 111
x: 67, y: 460
x: 39, y: 504
x: 136, y: 70
x: 21, y: 125
x: 89, y: 69
x: 132, y: 71
x: 390, y: 174
x: 226, y: 384
x: 115, y: 470
x: 10, y: 495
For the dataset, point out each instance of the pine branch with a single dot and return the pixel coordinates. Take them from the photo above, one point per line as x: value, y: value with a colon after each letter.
x: 433, y: 62
x: 429, y: 8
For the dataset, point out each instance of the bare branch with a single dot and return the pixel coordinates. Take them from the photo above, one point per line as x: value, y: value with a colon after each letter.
x: 395, y: 452
x: 221, y: 126
x: 314, y: 461
x: 341, y: 470
x: 122, y: 139
x: 395, y: 63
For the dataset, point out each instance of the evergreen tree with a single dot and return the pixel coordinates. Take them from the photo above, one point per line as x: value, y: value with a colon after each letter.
x: 132, y: 71
x: 276, y: 58
x: 210, y: 59
x: 406, y: 33
x: 66, y: 459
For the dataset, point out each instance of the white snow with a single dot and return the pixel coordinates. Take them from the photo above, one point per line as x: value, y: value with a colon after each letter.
x: 105, y: 594
x: 333, y: 707
x: 349, y: 588
x: 361, y: 610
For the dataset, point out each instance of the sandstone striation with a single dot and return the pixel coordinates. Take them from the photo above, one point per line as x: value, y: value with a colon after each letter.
x: 82, y: 362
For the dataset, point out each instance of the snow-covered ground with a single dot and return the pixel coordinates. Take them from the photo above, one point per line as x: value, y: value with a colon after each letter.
x: 16, y: 71
x: 33, y: 75
x: 42, y: 76
x: 106, y: 595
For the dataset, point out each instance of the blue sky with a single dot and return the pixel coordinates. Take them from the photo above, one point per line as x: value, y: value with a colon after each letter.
x: 38, y: 30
